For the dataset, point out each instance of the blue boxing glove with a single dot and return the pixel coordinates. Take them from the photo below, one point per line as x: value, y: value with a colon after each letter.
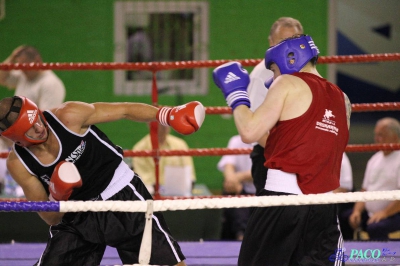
x: 268, y: 82
x: 233, y: 80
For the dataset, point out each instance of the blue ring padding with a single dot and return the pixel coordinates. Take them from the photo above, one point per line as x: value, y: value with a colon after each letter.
x: 30, y: 206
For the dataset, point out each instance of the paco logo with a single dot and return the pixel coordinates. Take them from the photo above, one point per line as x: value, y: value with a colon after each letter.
x: 359, y: 254
x: 363, y: 256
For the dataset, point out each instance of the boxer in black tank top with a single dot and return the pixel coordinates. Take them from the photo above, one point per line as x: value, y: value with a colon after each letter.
x: 82, y: 150
x: 67, y: 135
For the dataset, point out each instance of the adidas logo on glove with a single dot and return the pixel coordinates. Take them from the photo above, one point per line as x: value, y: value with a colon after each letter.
x: 235, y: 92
x: 230, y: 77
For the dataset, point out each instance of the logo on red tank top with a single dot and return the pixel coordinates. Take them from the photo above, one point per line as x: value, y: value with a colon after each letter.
x: 327, y: 124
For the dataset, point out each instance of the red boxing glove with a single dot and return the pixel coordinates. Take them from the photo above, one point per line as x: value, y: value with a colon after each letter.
x: 63, y: 180
x: 184, y: 119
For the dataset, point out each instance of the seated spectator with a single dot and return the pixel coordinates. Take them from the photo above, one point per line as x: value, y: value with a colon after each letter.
x: 145, y: 166
x: 237, y: 181
x: 379, y: 218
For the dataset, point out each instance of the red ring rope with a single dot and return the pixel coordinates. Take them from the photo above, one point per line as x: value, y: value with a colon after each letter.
x: 156, y: 66
x: 358, y: 107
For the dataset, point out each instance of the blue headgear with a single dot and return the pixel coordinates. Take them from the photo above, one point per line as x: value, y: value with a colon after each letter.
x: 291, y: 54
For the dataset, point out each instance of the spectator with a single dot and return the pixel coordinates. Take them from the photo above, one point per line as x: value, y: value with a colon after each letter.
x: 145, y: 165
x: 43, y: 87
x: 379, y: 218
x: 260, y: 79
x: 237, y: 181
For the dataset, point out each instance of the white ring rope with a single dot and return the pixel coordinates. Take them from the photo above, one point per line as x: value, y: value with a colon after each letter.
x: 218, y: 203
x: 231, y: 202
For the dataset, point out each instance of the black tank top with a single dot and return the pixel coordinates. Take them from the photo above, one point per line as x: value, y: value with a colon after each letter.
x: 95, y: 156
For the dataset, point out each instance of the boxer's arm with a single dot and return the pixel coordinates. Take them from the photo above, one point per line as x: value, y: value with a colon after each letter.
x: 254, y: 126
x: 33, y: 189
x: 233, y: 81
x: 77, y: 116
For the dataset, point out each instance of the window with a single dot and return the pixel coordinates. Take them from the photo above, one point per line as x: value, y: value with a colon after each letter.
x: 158, y: 31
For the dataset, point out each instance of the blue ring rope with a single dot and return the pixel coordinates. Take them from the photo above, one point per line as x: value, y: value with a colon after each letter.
x: 30, y: 206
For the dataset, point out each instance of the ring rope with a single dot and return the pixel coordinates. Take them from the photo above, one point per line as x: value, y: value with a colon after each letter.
x: 155, y: 66
x: 357, y: 107
x: 204, y: 203
x: 228, y: 151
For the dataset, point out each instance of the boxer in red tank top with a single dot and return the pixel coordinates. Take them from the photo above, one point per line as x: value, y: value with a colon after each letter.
x: 308, y: 119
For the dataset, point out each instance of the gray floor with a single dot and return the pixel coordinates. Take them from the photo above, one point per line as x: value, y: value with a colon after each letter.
x: 217, y: 253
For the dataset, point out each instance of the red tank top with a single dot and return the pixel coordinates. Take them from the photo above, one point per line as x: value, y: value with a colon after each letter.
x: 312, y: 145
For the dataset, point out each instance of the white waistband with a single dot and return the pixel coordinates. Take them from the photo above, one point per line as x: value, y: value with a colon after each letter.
x: 280, y: 181
x: 122, y: 177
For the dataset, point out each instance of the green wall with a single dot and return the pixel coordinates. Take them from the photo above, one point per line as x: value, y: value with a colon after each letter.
x: 82, y: 31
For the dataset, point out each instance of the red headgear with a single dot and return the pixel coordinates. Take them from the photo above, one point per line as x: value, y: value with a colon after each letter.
x: 28, y: 115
